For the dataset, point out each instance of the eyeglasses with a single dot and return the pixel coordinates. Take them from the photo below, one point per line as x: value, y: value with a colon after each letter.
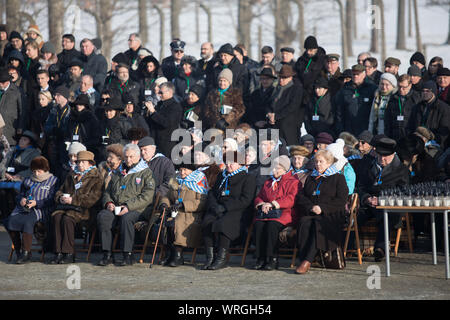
x: 403, y: 87
x: 178, y: 51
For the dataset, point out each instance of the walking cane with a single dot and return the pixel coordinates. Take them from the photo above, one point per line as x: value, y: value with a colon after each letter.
x: 157, y: 238
x: 150, y: 224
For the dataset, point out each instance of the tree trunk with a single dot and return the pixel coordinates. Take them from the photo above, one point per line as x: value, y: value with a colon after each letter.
x: 343, y: 34
x: 374, y: 43
x: 416, y: 20
x: 401, y: 32
x: 143, y: 26
x: 208, y: 12
x: 12, y: 15
x: 106, y: 13
x: 197, y: 26
x: 448, y: 37
x: 284, y: 35
x: 2, y: 9
x: 161, y: 32
x: 410, y: 19
x: 56, y: 12
x: 260, y: 45
x: 355, y: 21
x: 300, y: 21
x: 383, y: 32
x: 350, y: 4
x: 175, y: 9
x: 245, y: 17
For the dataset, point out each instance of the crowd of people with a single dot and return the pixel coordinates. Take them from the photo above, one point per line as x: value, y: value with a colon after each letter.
x: 81, y: 145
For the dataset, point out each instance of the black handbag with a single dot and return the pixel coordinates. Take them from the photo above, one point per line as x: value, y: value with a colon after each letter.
x: 272, y: 214
x: 332, y: 259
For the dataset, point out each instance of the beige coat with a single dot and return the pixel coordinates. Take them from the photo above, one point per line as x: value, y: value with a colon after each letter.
x: 188, y: 231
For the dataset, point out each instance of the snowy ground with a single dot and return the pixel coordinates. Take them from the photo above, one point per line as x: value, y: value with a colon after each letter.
x: 322, y: 18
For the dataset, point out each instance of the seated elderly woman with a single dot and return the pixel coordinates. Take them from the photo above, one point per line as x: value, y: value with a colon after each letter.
x: 70, y: 165
x: 14, y: 168
x: 342, y: 164
x: 34, y: 203
x: 232, y: 193
x: 224, y: 107
x: 322, y: 204
x: 301, y: 166
x: 275, y: 210
x: 187, y: 199
x: 81, y: 191
x: 114, y: 159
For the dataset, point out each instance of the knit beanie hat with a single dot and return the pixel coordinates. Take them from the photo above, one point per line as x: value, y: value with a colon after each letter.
x: 337, y: 149
x: 310, y: 43
x: 389, y: 77
x: 417, y: 56
x: 414, y: 71
x: 76, y: 147
x: 284, y: 162
x: 226, y: 74
x: 48, y: 47
x: 324, y: 137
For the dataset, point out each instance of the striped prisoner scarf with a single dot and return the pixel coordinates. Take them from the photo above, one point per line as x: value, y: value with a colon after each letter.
x: 196, y: 182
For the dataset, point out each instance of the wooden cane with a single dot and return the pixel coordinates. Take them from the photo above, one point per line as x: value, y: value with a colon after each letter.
x: 144, y: 248
x: 157, y: 238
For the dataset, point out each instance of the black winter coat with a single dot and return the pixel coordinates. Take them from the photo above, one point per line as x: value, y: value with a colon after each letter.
x: 241, y: 76
x: 169, y: 69
x: 184, y: 83
x: 242, y: 192
x: 308, y: 74
x: 324, y: 111
x: 96, y: 66
x: 393, y: 127
x: 65, y: 57
x: 131, y: 87
x: 260, y: 104
x: 163, y: 170
x: 86, y: 126
x: 435, y: 117
x: 163, y: 122
x: 352, y: 106
x: 289, y: 112
x: 331, y: 200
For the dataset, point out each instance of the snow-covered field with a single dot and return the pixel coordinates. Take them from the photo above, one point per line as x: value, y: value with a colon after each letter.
x: 321, y: 18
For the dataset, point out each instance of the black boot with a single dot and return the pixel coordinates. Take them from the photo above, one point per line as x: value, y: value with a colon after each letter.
x: 25, y: 257
x: 57, y: 258
x: 177, y: 258
x: 209, y: 258
x: 128, y: 260
x: 169, y: 253
x: 260, y: 263
x: 220, y: 261
x: 106, y: 260
x: 272, y: 263
x: 68, y: 258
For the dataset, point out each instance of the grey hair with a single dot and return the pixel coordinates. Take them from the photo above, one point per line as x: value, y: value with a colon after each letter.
x: 91, y: 79
x: 133, y: 147
x: 136, y: 36
x: 364, y: 53
x: 168, y: 85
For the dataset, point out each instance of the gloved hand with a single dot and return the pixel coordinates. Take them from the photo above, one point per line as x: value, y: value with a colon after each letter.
x: 219, y: 210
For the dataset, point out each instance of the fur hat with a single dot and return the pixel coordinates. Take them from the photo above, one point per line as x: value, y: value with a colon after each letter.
x: 424, y: 132
x: 136, y: 133
x: 349, y: 139
x: 76, y: 147
x: 385, y: 146
x: 227, y: 74
x: 116, y: 149
x: 299, y: 151
x: 34, y: 28
x: 40, y: 163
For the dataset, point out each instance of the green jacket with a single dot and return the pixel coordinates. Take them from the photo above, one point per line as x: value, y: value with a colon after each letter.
x: 136, y: 189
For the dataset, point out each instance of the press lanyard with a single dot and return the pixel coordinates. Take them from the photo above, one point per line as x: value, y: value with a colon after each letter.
x: 187, y: 80
x: 149, y: 85
x: 60, y: 118
x: 379, y: 177
x: 356, y: 95
x: 317, y: 105
x: 400, y: 106
x: 307, y: 66
x: 186, y: 113
x: 28, y: 64
x: 317, y: 191
x: 30, y: 197
x: 76, y: 129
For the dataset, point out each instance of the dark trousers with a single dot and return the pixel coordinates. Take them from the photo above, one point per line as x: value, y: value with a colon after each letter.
x: 64, y: 227
x: 208, y: 237
x: 266, y: 236
x: 24, y: 243
x: 307, y: 245
x: 394, y: 222
x: 106, y: 220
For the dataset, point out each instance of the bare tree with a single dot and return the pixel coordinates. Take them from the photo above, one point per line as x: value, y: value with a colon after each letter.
x: 161, y: 31
x: 175, y: 9
x: 143, y: 25
x: 409, y: 18
x: 284, y: 31
x: 343, y: 34
x: 448, y: 37
x: 349, y: 8
x: 12, y: 14
x: 245, y: 17
x: 300, y: 20
x: 383, y: 31
x: 401, y: 32
x: 2, y: 9
x: 208, y: 13
x: 374, y: 43
x: 56, y: 12
x: 416, y: 19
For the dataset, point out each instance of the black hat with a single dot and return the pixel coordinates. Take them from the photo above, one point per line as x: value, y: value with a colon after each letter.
x: 417, y: 56
x: 14, y: 35
x: 346, y: 74
x: 30, y: 135
x: 414, y: 70
x: 189, y: 60
x: 238, y: 49
x: 310, y: 43
x: 267, y: 72
x: 62, y: 90
x: 226, y: 48
x: 385, y: 146
x: 321, y: 82
x: 82, y: 99
x: 97, y: 42
x: 114, y: 103
x: 4, y: 75
x: 443, y: 72
x: 366, y: 136
x: 198, y: 90
x: 146, y: 141
x: 177, y: 45
x: 266, y: 49
x: 76, y: 63
x: 120, y: 58
x: 288, y: 49
x: 430, y: 84
x: 3, y: 28
x: 127, y: 98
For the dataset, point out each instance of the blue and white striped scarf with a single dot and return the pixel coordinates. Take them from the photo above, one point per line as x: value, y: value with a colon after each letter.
x: 196, y: 181
x: 228, y: 175
x: 78, y: 172
x: 327, y: 173
x: 354, y: 157
x: 142, y: 165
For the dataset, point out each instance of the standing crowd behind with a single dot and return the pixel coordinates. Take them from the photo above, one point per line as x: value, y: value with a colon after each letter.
x: 82, y: 146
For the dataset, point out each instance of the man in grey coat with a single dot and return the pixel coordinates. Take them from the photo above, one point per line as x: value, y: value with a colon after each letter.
x: 95, y: 65
x: 12, y: 107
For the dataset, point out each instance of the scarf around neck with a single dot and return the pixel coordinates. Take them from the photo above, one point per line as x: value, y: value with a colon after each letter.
x: 196, y: 182
x: 331, y: 170
x: 227, y: 175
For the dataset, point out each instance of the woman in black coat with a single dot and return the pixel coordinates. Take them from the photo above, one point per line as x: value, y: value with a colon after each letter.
x: 319, y: 115
x: 187, y: 77
x: 148, y: 72
x: 322, y: 202
x: 83, y: 126
x: 232, y: 193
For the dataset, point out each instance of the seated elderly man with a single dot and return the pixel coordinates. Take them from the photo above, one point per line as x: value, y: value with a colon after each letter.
x: 131, y: 189
x: 381, y: 173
